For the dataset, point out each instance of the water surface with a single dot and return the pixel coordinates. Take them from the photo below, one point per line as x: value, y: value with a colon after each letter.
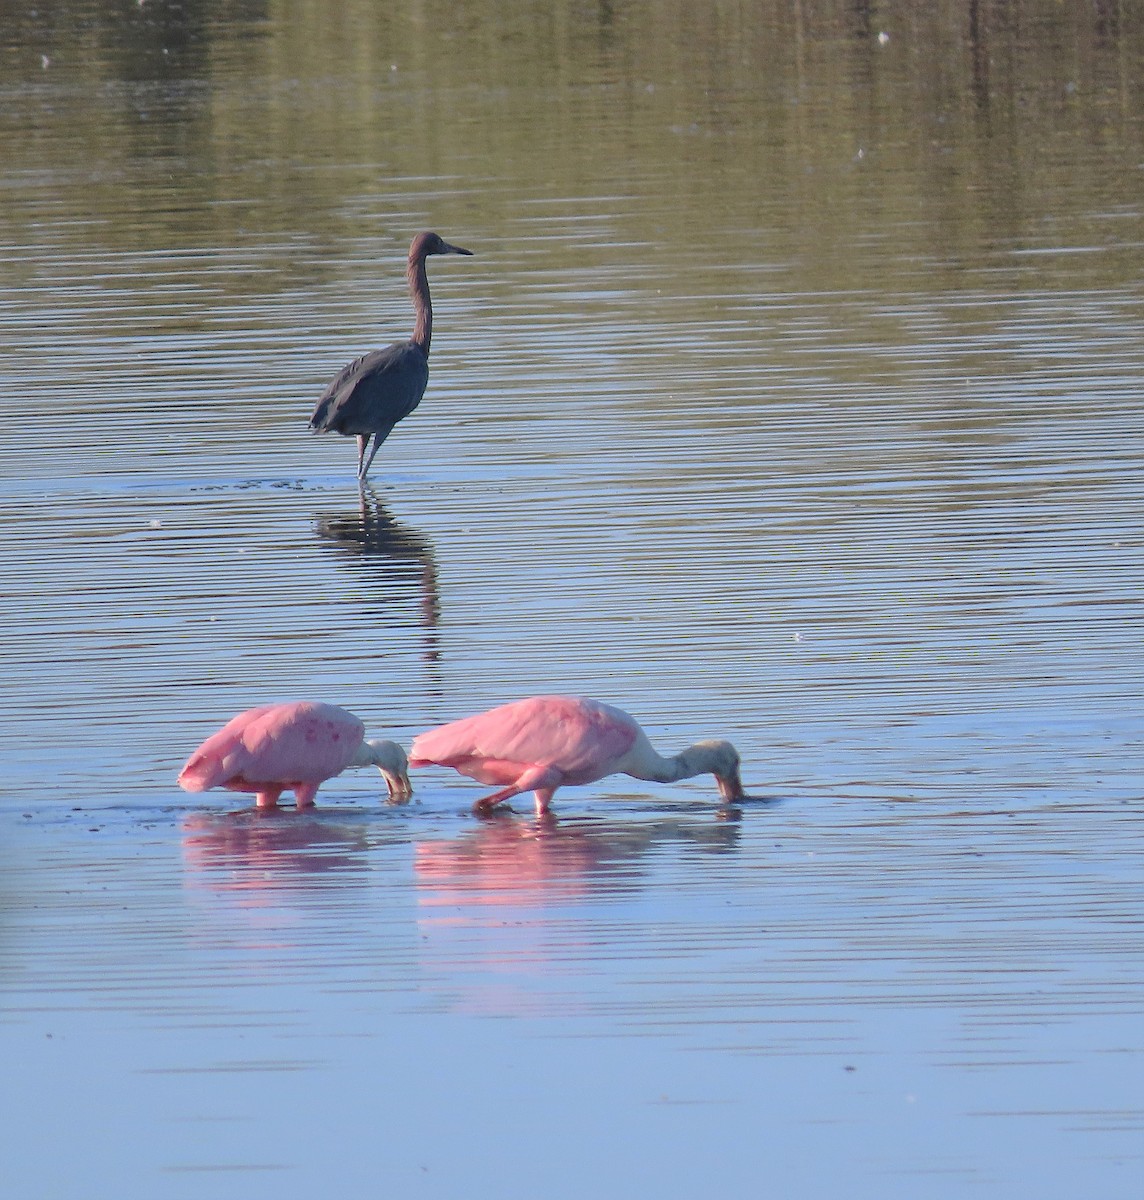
x: 791, y: 396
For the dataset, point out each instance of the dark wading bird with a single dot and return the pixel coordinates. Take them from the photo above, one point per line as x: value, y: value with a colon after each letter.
x: 377, y: 390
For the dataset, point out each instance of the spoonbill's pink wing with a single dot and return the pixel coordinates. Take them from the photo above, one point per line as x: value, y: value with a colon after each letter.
x: 222, y: 755
x: 582, y: 739
x: 302, y: 741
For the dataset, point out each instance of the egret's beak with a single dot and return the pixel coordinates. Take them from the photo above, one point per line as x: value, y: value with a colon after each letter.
x: 447, y: 249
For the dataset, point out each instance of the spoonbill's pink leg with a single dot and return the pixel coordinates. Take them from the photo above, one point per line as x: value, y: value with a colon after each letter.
x: 268, y: 797
x: 543, y: 798
x: 304, y: 794
x: 542, y: 780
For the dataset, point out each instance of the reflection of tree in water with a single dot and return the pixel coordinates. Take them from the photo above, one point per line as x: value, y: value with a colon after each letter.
x: 395, y: 559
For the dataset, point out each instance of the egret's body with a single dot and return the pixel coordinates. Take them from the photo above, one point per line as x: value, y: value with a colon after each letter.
x: 374, y: 392
x: 545, y: 742
x: 291, y: 747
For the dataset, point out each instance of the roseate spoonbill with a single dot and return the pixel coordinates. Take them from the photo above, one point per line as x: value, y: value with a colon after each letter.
x: 377, y: 390
x: 544, y: 742
x: 291, y: 747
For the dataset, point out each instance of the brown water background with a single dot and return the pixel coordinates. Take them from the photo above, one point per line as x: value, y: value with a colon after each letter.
x: 793, y: 395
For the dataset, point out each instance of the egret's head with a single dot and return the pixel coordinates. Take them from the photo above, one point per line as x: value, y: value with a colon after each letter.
x: 425, y: 244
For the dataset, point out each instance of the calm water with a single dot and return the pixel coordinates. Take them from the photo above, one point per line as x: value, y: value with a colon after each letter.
x: 792, y: 396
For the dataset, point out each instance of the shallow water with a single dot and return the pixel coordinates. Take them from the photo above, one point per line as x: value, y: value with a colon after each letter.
x: 791, y: 396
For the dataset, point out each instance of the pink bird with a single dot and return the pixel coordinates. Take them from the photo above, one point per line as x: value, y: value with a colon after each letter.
x: 544, y: 742
x: 291, y: 747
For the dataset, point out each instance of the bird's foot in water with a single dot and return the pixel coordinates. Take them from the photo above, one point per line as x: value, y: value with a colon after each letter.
x: 492, y: 806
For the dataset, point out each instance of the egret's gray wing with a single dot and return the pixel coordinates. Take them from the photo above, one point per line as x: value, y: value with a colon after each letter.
x: 374, y: 392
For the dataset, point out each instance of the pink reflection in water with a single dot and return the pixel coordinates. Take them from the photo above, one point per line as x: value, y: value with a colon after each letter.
x: 501, y: 908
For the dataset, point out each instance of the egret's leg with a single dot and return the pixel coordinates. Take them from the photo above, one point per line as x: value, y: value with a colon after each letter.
x: 378, y: 438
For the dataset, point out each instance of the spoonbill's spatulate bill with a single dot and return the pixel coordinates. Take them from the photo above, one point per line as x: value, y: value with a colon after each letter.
x: 291, y: 747
x: 545, y: 742
x: 374, y: 392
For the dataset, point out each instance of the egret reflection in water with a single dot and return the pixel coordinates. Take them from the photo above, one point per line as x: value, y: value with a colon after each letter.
x: 395, y: 560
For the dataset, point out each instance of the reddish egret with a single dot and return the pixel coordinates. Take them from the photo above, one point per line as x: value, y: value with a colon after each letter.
x: 544, y: 742
x: 291, y: 747
x: 375, y: 391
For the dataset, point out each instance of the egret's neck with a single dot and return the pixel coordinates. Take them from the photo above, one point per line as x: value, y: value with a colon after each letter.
x: 419, y: 290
